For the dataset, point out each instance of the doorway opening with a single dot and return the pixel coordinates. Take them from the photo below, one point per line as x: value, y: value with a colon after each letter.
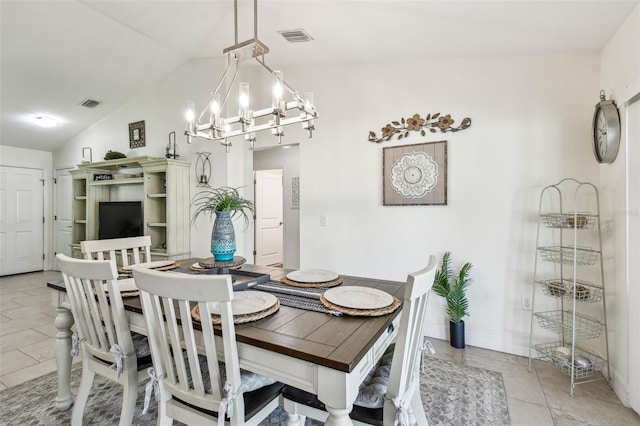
x: 286, y: 162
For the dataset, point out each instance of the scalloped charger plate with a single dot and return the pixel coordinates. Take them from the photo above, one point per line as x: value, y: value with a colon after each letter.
x: 247, y: 302
x: 150, y: 265
x: 312, y: 276
x: 358, y: 297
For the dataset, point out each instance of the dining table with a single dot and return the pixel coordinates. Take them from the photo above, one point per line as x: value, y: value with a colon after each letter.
x: 324, y: 353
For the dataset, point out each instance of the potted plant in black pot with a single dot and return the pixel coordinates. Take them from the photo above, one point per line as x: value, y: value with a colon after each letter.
x: 226, y: 203
x: 453, y: 289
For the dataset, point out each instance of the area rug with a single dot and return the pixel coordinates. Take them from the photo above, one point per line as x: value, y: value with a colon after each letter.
x: 452, y: 395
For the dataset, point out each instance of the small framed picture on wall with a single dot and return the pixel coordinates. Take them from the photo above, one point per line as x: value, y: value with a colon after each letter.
x: 415, y: 175
x: 136, y: 134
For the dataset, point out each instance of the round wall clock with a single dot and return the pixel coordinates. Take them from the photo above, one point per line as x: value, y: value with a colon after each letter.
x: 606, y: 130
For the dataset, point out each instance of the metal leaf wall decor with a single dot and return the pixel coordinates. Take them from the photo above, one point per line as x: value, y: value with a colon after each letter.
x: 431, y: 122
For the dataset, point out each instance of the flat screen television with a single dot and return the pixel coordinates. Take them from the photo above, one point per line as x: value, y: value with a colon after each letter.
x: 119, y: 219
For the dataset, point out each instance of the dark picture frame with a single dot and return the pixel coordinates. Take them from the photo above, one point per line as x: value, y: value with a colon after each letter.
x: 136, y: 134
x: 415, y: 175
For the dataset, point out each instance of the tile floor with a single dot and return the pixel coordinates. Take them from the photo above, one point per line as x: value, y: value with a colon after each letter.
x: 27, y: 337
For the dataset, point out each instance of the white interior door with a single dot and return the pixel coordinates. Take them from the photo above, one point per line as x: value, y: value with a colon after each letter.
x: 63, y: 216
x: 269, y: 217
x: 21, y: 220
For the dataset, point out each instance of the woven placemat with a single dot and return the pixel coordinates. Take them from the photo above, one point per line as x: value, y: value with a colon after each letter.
x: 132, y: 293
x: 211, y: 263
x: 326, y: 284
x: 239, y: 319
x: 174, y: 265
x: 362, y: 312
x: 193, y: 267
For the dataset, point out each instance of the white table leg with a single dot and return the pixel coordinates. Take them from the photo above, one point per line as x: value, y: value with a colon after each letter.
x: 63, y: 322
x: 338, y: 417
x: 337, y: 391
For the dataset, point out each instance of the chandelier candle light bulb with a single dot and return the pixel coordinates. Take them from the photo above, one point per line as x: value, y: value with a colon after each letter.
x: 277, y: 94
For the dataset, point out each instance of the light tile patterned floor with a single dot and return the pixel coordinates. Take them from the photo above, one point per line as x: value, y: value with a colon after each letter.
x: 27, y: 338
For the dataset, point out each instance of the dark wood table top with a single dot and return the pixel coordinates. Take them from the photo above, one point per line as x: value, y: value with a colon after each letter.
x: 335, y: 342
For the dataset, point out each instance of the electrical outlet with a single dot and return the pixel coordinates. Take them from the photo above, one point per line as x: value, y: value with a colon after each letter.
x: 324, y: 221
x: 525, y: 303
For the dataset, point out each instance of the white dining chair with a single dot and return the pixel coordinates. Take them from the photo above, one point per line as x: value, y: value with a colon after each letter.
x: 390, y: 394
x: 108, y: 347
x: 131, y: 250
x: 196, y: 389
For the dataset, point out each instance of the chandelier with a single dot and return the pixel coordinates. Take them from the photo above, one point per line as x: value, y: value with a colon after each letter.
x: 211, y: 125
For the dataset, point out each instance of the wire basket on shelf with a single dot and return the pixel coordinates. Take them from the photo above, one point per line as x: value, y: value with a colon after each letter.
x: 570, y: 220
x: 585, y: 292
x: 583, y: 256
x: 587, y: 363
x: 561, y: 322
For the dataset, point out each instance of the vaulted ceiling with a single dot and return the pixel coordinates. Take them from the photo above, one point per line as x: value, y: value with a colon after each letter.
x: 55, y: 54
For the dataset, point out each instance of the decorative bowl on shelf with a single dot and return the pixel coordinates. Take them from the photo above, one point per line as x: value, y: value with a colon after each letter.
x: 582, y: 292
x: 556, y: 288
x: 577, y: 221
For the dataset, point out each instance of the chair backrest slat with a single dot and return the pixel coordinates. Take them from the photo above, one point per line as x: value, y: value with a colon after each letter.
x: 138, y: 248
x: 175, y: 346
x: 408, y: 349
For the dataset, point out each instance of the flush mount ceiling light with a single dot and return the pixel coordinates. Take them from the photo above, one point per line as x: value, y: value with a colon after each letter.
x: 44, y: 121
x: 249, y: 120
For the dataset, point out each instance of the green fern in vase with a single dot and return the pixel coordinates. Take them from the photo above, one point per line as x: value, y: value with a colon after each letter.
x: 453, y: 289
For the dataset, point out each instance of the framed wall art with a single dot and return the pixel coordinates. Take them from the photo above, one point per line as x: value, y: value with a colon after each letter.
x: 136, y: 134
x: 415, y: 175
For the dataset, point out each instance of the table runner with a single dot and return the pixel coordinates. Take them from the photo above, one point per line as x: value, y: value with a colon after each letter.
x: 297, y: 297
x: 294, y: 297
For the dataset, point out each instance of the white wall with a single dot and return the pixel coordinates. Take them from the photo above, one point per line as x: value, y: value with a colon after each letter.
x: 32, y: 159
x: 620, y: 182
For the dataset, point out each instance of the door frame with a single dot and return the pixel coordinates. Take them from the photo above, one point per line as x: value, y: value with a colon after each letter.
x: 55, y: 191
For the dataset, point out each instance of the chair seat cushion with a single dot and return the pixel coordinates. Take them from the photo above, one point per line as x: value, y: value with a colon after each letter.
x: 143, y: 352
x: 374, y: 387
x: 249, y: 381
x: 141, y: 345
x: 257, y: 390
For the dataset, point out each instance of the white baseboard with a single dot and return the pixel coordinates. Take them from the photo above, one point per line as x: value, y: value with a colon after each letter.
x: 619, y: 386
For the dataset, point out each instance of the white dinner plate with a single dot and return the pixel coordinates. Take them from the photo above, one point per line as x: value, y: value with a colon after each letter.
x: 312, y: 276
x: 150, y: 265
x: 357, y: 297
x: 247, y: 302
x: 125, y: 286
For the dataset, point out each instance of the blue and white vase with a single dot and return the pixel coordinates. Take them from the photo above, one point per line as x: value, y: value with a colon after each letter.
x: 223, y: 237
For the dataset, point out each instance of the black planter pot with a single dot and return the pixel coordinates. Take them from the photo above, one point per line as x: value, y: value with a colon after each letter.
x: 456, y: 334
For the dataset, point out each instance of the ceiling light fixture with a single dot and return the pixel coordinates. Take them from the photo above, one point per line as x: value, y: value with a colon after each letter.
x: 44, y: 121
x: 246, y: 123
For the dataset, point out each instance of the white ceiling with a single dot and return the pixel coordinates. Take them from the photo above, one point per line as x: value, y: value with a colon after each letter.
x: 55, y: 54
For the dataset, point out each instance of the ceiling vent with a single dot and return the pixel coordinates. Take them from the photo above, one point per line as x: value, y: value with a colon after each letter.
x: 90, y: 103
x: 296, y: 36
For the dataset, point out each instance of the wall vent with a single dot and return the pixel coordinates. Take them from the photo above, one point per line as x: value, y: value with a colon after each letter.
x: 296, y: 36
x: 90, y: 103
